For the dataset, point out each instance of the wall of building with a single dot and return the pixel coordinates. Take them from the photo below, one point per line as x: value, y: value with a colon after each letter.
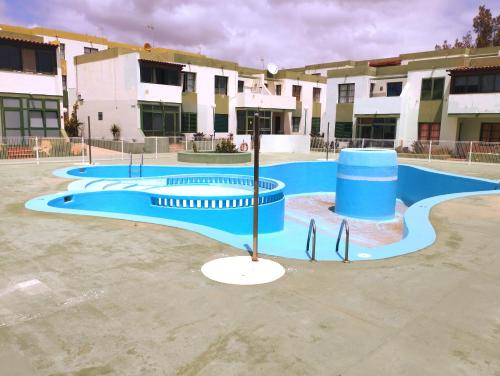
x: 31, y: 83
x: 111, y: 87
x: 72, y: 48
x: 205, y: 89
x: 306, y: 97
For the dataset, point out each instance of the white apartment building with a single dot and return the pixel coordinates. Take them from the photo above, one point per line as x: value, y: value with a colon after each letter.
x: 436, y: 95
x: 30, y: 86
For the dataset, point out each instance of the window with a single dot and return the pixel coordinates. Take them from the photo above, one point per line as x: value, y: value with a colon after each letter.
x: 89, y: 50
x: 189, y: 122
x: 475, y: 83
x: 316, y: 94
x: 432, y: 88
x: 240, y: 86
x: 343, y: 130
x: 99, y: 116
x: 31, y: 117
x: 62, y: 51
x: 26, y: 57
x: 221, y: 85
x: 159, y: 119
x: 45, y: 61
x: 346, y: 93
x: 10, y: 57
x: 296, y: 89
x: 315, y: 125
x: 429, y: 131
x: 394, y: 89
x: 159, y: 74
x: 189, y: 82
x: 295, y: 123
x: 278, y: 89
x: 376, y: 128
x: 29, y: 59
x: 490, y: 132
x: 221, y: 123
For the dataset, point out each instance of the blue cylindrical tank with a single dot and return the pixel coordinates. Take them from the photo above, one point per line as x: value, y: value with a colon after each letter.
x: 367, y: 183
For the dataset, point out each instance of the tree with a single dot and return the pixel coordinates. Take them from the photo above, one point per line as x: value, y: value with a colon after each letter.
x: 496, y: 31
x: 486, y: 29
x: 483, y: 25
x: 71, y: 124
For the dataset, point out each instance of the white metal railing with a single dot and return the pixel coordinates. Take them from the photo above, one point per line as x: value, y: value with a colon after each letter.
x: 464, y: 151
x: 40, y: 149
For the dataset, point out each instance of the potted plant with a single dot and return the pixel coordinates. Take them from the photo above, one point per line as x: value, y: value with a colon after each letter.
x: 115, y: 130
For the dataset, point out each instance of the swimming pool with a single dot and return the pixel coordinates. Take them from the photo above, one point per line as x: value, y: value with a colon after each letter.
x: 115, y: 191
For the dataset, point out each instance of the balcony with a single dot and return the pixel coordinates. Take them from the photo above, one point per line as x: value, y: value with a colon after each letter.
x: 474, y: 104
x: 159, y: 93
x: 264, y: 101
x: 377, y: 106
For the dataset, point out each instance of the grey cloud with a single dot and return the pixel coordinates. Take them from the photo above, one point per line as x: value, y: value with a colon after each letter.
x: 287, y: 32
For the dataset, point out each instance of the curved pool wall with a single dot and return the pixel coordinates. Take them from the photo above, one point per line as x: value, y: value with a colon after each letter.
x: 419, y: 188
x: 367, y: 184
x: 230, y: 213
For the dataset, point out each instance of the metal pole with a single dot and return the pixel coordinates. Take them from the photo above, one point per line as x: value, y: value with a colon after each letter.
x: 305, y: 122
x: 327, y: 139
x: 362, y: 143
x: 37, y: 151
x: 334, y: 146
x: 83, y: 150
x: 90, y: 146
x: 430, y: 150
x: 256, y: 147
x: 122, y: 147
x: 156, y: 147
x: 470, y: 153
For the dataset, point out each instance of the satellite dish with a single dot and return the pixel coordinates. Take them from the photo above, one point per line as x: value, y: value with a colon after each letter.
x: 147, y: 46
x: 272, y: 68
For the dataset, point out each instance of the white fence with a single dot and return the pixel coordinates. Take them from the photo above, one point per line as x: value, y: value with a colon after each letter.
x: 463, y: 151
x: 51, y: 149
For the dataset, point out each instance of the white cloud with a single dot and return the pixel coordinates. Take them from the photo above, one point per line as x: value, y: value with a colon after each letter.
x: 290, y: 33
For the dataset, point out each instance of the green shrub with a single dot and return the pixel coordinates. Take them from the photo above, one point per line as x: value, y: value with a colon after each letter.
x: 226, y: 146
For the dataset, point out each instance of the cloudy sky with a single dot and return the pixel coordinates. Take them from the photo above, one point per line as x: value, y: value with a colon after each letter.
x: 289, y: 33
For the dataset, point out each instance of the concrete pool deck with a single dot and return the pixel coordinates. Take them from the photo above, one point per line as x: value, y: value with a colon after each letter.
x: 97, y: 296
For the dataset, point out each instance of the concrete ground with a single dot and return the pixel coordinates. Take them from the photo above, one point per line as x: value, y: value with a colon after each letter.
x: 110, y: 297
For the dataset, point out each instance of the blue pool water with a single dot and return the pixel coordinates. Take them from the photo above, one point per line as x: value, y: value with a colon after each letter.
x: 114, y: 191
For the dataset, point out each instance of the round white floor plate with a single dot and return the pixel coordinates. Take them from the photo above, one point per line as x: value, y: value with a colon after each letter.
x: 241, y: 270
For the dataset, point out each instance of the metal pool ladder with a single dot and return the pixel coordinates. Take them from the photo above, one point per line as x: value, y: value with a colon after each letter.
x: 344, y: 225
x: 312, y: 231
x: 131, y: 164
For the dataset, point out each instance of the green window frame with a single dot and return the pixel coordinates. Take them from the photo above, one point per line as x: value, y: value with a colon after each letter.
x: 189, y: 123
x: 221, y: 123
x: 159, y: 119
x: 37, y: 117
x: 343, y: 130
x: 295, y: 123
x: 432, y: 88
x: 315, y: 126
